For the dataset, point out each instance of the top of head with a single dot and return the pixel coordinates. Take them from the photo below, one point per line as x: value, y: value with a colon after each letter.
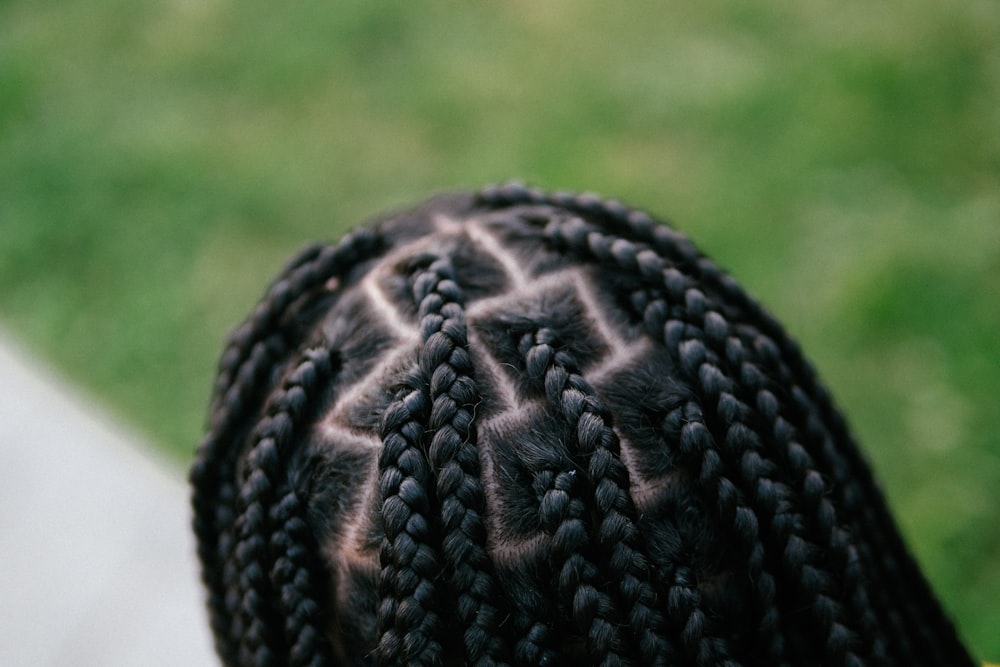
x: 524, y: 428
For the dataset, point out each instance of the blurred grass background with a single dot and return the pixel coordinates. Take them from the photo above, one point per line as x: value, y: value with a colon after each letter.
x: 159, y: 160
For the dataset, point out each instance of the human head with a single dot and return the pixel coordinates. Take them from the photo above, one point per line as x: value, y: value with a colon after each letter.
x: 513, y: 427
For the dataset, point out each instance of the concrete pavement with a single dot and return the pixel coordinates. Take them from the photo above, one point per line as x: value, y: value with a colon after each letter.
x: 97, y: 562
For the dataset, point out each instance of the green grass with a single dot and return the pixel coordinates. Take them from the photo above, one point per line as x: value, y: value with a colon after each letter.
x: 159, y: 161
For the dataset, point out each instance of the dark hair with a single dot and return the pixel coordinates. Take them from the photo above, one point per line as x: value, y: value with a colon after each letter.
x: 526, y: 428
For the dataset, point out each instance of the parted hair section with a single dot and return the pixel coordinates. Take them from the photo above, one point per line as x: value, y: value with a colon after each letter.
x: 520, y: 428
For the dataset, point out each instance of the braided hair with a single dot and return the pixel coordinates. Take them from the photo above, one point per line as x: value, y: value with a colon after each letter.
x: 523, y: 428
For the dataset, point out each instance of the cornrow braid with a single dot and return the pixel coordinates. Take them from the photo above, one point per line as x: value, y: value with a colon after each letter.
x: 562, y: 516
x: 446, y: 363
x: 257, y: 625
x: 214, y: 498
x: 528, y: 428
x: 814, y: 400
x: 410, y: 562
x: 296, y: 582
x: 851, y: 472
x: 597, y: 444
x: 246, y: 372
x: 703, y: 327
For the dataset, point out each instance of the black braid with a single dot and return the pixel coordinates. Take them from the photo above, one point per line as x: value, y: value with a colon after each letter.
x: 561, y: 516
x: 688, y: 338
x: 528, y: 428
x: 295, y: 578
x: 261, y: 636
x: 780, y: 352
x: 695, y: 439
x: 534, y: 647
x: 214, y: 498
x: 446, y: 364
x: 245, y: 372
x: 593, y: 610
x: 825, y: 424
x: 597, y: 444
x: 408, y: 623
x: 883, y: 550
x: 741, y: 450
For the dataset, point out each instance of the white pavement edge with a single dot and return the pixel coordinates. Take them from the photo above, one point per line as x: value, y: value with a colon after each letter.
x: 97, y: 561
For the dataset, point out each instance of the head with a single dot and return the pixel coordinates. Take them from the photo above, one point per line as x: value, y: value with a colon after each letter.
x: 519, y: 428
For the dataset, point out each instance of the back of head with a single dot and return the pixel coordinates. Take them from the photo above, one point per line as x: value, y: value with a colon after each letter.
x: 521, y: 428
